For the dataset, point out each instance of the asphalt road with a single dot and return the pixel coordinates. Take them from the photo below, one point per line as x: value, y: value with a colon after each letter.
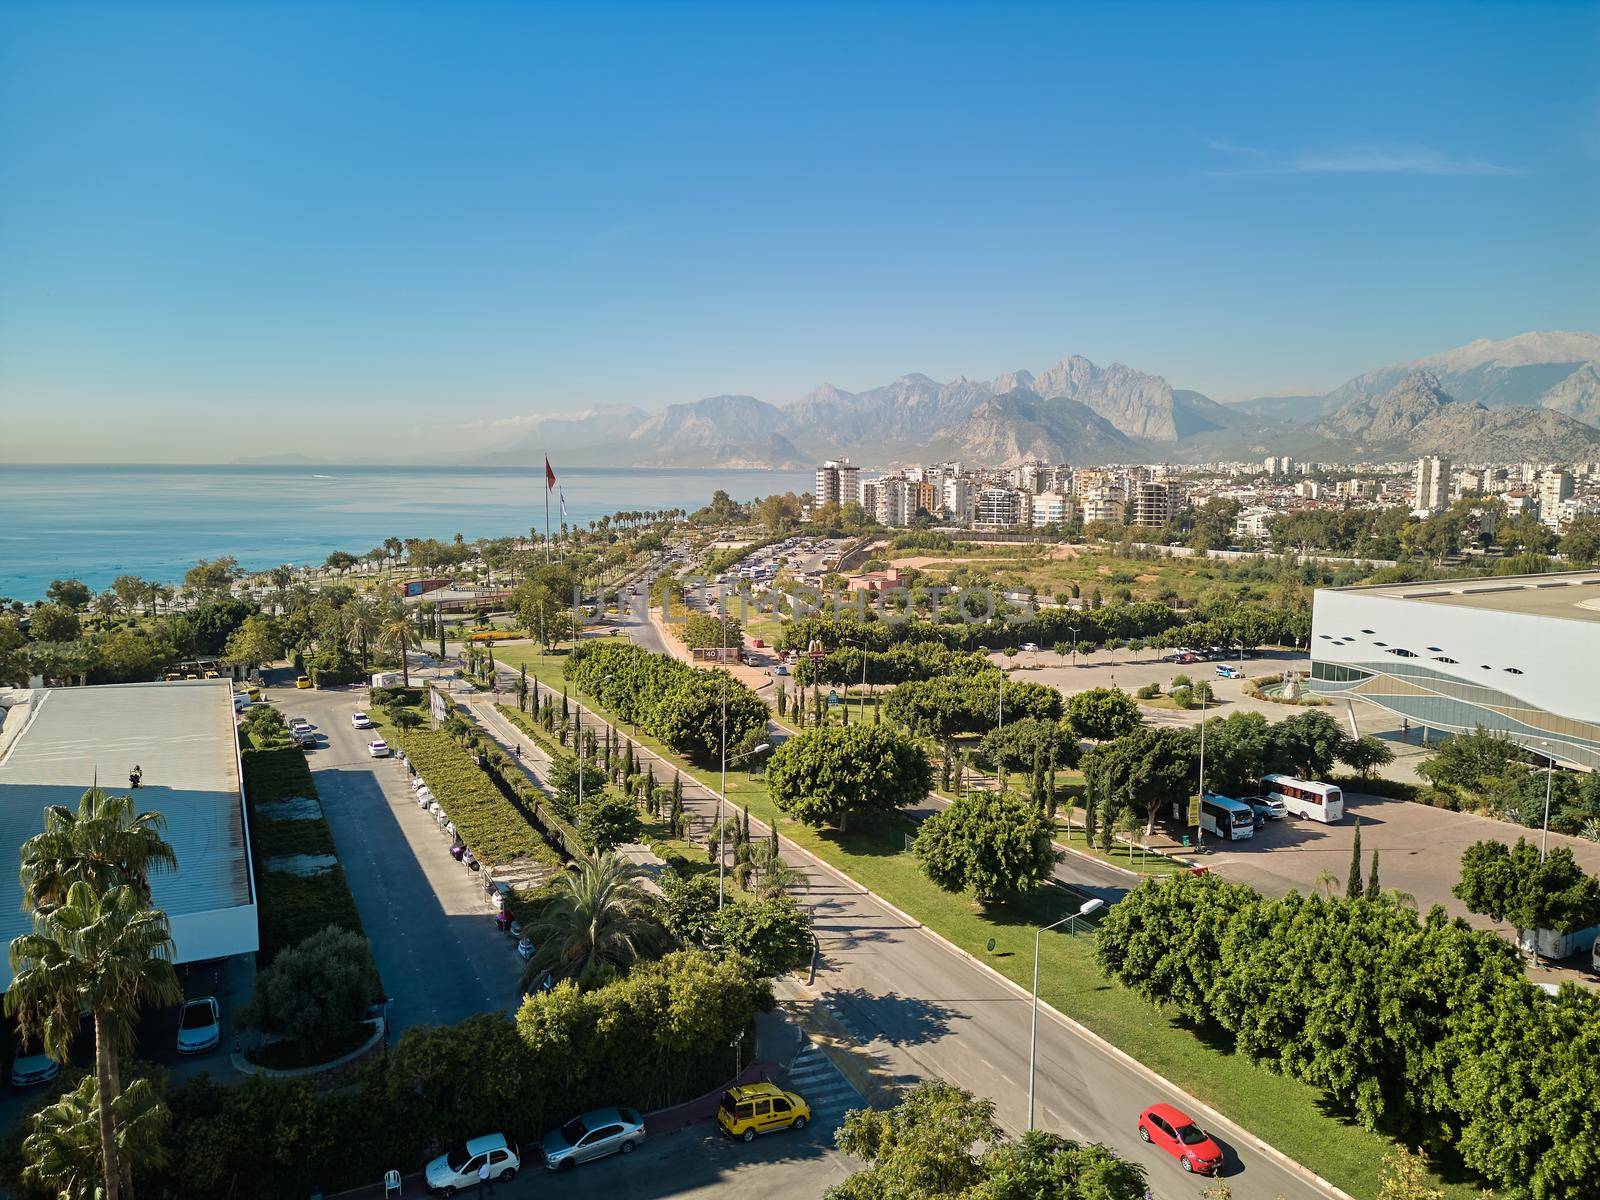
x: 918, y: 1009
x: 432, y: 932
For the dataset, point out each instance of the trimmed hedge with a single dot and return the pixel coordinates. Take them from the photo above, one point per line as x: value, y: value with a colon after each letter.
x: 484, y: 815
x: 291, y: 908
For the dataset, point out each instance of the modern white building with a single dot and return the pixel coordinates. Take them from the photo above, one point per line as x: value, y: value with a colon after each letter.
x: 1430, y: 484
x: 1555, y: 487
x: 1054, y: 508
x: 56, y: 743
x: 1002, y: 507
x: 838, y: 482
x: 1516, y: 654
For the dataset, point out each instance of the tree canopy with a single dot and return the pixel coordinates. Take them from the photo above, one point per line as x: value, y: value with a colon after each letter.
x: 991, y: 844
x: 826, y: 775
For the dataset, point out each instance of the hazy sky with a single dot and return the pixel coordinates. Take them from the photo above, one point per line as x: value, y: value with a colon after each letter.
x: 243, y: 229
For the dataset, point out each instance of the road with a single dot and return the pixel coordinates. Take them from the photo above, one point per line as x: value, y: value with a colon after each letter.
x: 917, y: 1008
x: 432, y: 932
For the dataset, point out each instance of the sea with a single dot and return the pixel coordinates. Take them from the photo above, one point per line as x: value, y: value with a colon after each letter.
x: 96, y: 522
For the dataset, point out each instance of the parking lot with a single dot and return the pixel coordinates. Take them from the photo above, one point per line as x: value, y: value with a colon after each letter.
x: 431, y: 928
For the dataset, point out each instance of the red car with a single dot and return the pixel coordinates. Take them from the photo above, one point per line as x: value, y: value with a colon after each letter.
x: 1175, y: 1133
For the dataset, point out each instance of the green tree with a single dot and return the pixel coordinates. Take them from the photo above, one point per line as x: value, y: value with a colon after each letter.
x: 1352, y: 881
x: 104, y: 844
x: 1468, y: 761
x: 922, y: 1148
x: 62, y: 1149
x: 609, y: 821
x: 991, y: 844
x: 773, y: 933
x: 826, y: 775
x: 1306, y: 744
x: 688, y: 908
x: 397, y: 637
x: 1510, y: 884
x: 598, y: 921
x: 53, y: 623
x: 703, y: 631
x: 1018, y: 745
x: 254, y: 644
x: 214, y: 575
x: 1404, y: 1176
x: 71, y: 594
x: 104, y: 955
x: 1102, y: 714
x: 340, y: 561
x: 1147, y: 771
x: 315, y: 992
x: 1365, y: 754
x: 1046, y: 1166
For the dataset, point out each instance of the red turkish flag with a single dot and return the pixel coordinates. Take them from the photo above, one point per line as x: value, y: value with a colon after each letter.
x: 549, y: 475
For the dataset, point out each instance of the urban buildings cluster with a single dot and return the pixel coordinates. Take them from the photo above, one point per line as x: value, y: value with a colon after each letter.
x: 1038, y: 494
x: 1030, y: 494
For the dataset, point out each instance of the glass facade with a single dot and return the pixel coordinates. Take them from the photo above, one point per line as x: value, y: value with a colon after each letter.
x: 1428, y: 697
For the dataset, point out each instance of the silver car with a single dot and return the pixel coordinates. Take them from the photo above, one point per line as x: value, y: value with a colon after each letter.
x: 593, y: 1135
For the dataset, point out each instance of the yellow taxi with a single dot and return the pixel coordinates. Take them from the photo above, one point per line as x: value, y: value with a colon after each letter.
x: 754, y: 1108
x: 303, y: 682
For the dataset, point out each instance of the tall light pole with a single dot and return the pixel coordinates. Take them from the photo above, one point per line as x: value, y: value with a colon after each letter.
x: 1549, y: 774
x: 722, y: 856
x: 1087, y: 907
x: 1073, y: 630
x: 1199, y: 825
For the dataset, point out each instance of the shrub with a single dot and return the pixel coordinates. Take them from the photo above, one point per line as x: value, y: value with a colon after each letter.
x: 1149, y: 691
x: 314, y: 992
x: 774, y: 934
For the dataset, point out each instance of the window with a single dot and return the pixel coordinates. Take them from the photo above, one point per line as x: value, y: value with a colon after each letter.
x: 763, y: 1108
x: 1402, y: 653
x: 1380, y: 643
x: 1369, y: 631
x: 1514, y: 670
x: 1442, y: 658
x: 1435, y: 649
x: 1486, y: 666
x: 780, y: 1105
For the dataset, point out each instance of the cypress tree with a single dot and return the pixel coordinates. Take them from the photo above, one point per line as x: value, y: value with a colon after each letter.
x: 772, y: 842
x: 565, y: 714
x: 1088, y: 814
x: 1352, y: 884
x: 1374, y: 889
x: 744, y: 832
x: 1107, y: 820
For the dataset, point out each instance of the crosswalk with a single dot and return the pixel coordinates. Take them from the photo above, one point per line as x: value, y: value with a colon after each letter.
x: 829, y: 1093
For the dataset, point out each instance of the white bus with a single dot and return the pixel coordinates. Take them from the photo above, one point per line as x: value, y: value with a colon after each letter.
x: 1223, y: 817
x: 1305, y: 798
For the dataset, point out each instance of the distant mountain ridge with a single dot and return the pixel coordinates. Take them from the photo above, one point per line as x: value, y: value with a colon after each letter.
x: 1537, y: 393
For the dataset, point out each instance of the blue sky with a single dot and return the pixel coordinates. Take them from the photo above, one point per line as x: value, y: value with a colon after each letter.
x: 232, y: 228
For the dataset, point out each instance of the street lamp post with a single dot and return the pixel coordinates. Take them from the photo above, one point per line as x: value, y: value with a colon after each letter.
x: 1073, y: 630
x: 1199, y: 826
x: 1087, y: 907
x: 1549, y: 774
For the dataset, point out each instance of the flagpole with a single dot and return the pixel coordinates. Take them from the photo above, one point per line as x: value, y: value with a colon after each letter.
x: 549, y: 482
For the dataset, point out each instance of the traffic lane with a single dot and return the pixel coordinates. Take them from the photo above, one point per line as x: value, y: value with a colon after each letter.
x: 432, y: 934
x: 700, y: 1163
x: 920, y: 1009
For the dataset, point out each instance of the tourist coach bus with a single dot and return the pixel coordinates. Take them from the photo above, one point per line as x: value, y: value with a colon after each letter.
x: 1224, y: 817
x: 1305, y: 798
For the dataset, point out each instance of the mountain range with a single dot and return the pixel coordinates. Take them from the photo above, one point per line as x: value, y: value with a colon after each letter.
x: 1532, y: 396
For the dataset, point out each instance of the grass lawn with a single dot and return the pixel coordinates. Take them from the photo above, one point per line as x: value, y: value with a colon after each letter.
x: 1129, y: 858
x: 768, y: 630
x: 1288, y: 1114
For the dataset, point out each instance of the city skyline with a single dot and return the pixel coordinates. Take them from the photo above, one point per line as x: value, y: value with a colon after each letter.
x: 395, y: 227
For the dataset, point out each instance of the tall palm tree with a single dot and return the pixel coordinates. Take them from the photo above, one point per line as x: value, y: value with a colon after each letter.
x: 62, y: 1150
x: 104, y: 954
x: 362, y: 627
x: 599, y: 917
x: 397, y: 636
x: 104, y: 844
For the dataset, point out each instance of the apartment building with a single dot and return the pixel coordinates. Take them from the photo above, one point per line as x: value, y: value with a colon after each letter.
x: 1002, y: 507
x: 1054, y: 508
x: 838, y: 482
x: 1430, y: 485
x: 1151, y: 503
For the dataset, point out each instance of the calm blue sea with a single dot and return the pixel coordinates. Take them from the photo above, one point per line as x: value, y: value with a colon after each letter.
x: 97, y: 522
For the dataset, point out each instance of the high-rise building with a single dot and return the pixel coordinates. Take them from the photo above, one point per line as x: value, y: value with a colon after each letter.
x: 1151, y: 504
x: 1430, y: 485
x: 1102, y: 502
x: 1554, y: 487
x: 896, y: 501
x: 838, y: 482
x: 1054, y: 508
x: 1001, y: 507
x: 958, y: 501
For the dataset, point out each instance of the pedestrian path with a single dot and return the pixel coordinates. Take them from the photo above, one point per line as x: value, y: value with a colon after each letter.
x: 813, y: 1075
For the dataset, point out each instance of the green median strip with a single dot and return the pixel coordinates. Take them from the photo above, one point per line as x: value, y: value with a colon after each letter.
x: 1289, y: 1115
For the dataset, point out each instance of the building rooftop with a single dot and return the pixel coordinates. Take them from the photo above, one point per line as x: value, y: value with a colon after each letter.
x: 1566, y: 595
x: 182, y: 737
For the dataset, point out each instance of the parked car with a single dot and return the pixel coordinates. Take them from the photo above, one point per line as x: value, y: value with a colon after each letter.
x: 458, y: 1167
x: 304, y: 681
x: 1268, y: 807
x: 30, y: 1065
x: 199, y: 1026
x: 299, y: 723
x: 1167, y: 1127
x: 525, y: 947
x: 378, y: 748
x: 596, y: 1134
x: 360, y: 720
x: 305, y: 738
x: 1229, y: 672
x: 754, y: 1108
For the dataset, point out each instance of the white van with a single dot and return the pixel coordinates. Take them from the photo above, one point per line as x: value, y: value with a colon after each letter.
x: 1305, y: 798
x: 1225, y: 817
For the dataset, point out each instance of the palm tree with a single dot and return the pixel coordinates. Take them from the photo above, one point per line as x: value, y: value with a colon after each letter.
x: 62, y: 1150
x: 104, y: 844
x: 396, y: 636
x: 104, y: 954
x: 598, y: 918
x: 362, y: 628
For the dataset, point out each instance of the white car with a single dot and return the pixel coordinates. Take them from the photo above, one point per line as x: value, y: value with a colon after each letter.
x: 458, y: 1167
x: 360, y: 720
x: 378, y: 748
x: 199, y: 1026
x: 31, y: 1065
